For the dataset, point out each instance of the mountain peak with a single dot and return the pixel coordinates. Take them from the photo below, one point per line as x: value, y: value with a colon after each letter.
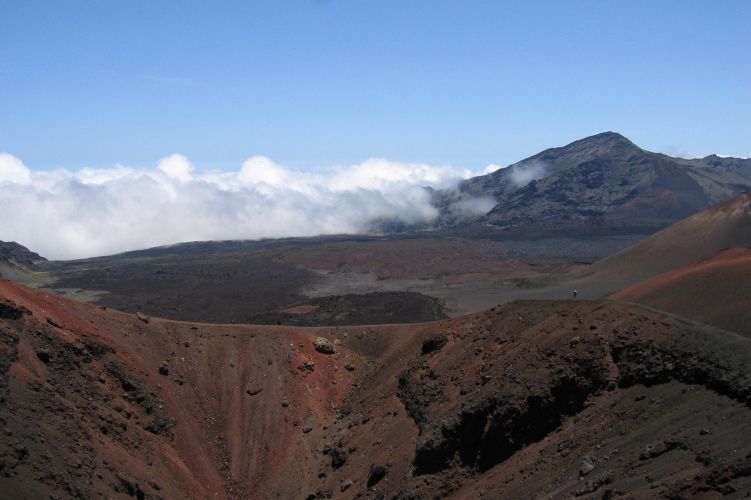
x: 606, y: 136
x: 605, y: 143
x: 604, y: 175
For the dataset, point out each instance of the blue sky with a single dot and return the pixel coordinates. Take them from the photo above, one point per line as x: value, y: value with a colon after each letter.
x: 132, y: 124
x: 321, y: 83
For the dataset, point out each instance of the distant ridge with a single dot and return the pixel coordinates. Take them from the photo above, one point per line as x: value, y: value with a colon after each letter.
x: 605, y: 176
x: 16, y: 260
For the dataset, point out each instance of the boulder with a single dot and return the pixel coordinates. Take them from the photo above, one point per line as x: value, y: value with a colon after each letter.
x: 324, y: 346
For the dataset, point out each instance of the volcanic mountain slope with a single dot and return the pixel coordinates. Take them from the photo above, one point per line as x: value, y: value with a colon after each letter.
x: 725, y: 225
x: 605, y: 175
x: 529, y: 400
x: 16, y: 260
x: 716, y: 291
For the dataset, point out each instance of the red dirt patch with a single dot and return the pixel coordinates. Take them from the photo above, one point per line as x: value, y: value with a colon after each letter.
x: 300, y: 309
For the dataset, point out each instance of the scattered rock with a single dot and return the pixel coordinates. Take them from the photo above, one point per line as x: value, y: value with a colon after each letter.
x: 377, y: 473
x: 349, y: 367
x: 338, y: 458
x: 324, y: 346
x: 164, y: 369
x: 656, y: 449
x: 434, y: 343
x: 255, y: 391
x: 564, y: 447
x: 346, y: 484
x: 53, y: 322
x: 307, y: 366
x: 143, y: 317
x: 285, y: 403
x: 586, y: 467
x: 9, y: 310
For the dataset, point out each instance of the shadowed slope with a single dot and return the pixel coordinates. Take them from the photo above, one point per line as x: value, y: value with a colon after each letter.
x: 715, y: 290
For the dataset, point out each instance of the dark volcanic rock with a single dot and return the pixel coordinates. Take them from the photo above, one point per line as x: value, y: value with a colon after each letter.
x: 605, y: 175
x: 359, y: 309
x: 9, y: 310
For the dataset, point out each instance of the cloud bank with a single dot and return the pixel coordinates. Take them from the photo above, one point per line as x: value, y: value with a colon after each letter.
x: 522, y: 174
x: 66, y: 215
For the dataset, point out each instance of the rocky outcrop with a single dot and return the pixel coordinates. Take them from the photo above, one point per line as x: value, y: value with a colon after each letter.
x: 13, y: 252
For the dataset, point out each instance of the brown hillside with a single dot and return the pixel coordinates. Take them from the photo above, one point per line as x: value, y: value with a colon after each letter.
x: 725, y: 225
x: 533, y: 399
x: 716, y: 291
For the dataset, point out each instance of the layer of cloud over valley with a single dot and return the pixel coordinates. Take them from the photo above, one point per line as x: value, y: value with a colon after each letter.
x: 65, y: 215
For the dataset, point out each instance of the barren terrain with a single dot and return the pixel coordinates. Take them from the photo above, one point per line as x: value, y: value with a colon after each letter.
x: 531, y: 399
x: 403, y: 275
x: 407, y: 366
x: 716, y: 290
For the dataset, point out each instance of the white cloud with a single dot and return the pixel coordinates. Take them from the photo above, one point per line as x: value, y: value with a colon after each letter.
x: 177, y: 166
x: 731, y: 156
x: 474, y: 206
x: 491, y: 168
x: 522, y: 174
x: 89, y: 175
x: 13, y: 170
x: 64, y: 215
x: 261, y: 170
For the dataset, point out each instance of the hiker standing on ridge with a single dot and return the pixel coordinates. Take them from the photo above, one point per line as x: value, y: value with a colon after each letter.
x: 575, y: 292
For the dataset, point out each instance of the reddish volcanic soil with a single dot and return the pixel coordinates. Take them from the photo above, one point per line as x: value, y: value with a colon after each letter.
x: 533, y: 399
x: 104, y: 405
x: 725, y: 225
x: 715, y: 290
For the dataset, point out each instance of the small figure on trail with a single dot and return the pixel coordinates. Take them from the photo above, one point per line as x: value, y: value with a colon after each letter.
x: 575, y: 292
